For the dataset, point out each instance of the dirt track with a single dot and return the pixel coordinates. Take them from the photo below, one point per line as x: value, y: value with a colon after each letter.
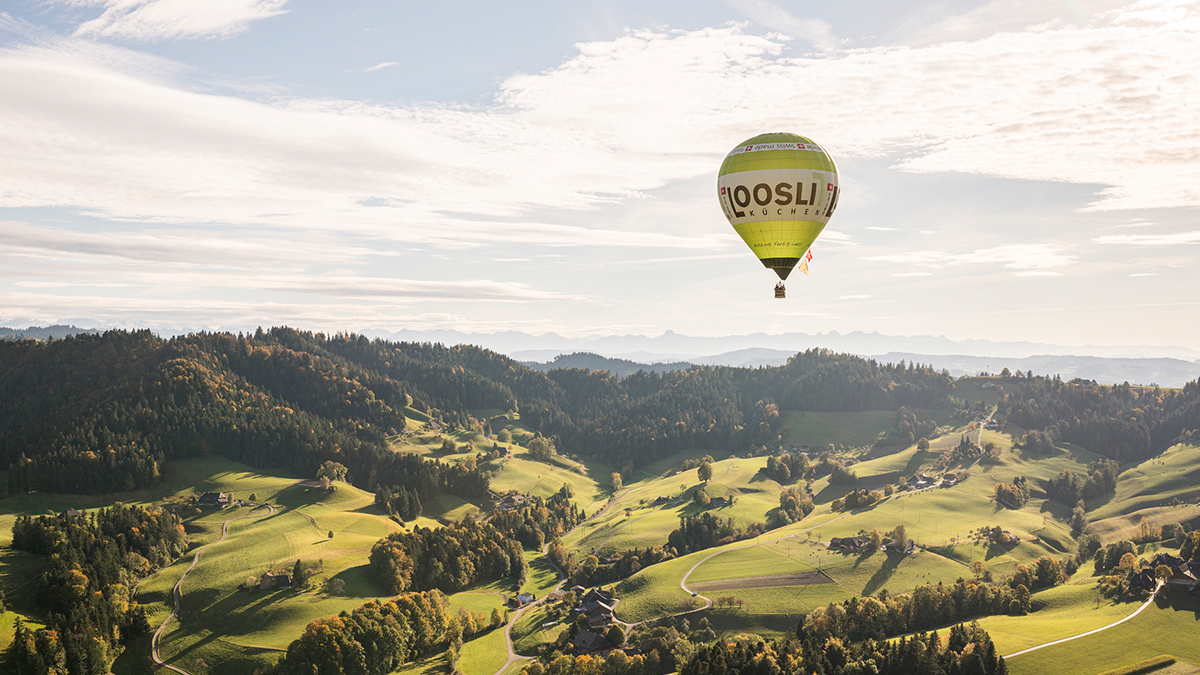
x: 798, y: 579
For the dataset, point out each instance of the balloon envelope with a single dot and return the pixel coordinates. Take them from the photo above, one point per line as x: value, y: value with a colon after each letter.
x: 778, y: 191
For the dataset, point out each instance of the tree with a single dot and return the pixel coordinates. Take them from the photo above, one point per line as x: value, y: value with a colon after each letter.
x: 615, y: 635
x: 1078, y: 518
x: 900, y: 538
x: 616, y: 481
x: 701, y: 498
x: 541, y: 448
x: 325, y: 482
x: 336, y: 587
x: 923, y: 444
x: 334, y: 470
x: 497, y: 618
x: 331, y: 534
x: 298, y: 576
x: 449, y: 447
x: 253, y: 496
x: 704, y: 472
x: 505, y: 436
x: 876, y: 540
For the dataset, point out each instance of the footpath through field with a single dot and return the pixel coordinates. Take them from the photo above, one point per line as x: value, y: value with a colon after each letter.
x: 178, y: 590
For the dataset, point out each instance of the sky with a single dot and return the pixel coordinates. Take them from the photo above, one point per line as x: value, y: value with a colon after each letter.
x: 1010, y: 170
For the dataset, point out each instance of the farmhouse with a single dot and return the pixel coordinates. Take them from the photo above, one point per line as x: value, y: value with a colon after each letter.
x: 69, y: 513
x: 1143, y: 580
x: 275, y: 581
x: 220, y: 499
x: 909, y: 548
x: 597, y: 595
x: 718, y: 501
x: 511, y: 502
x: 522, y: 599
x: 588, y: 642
x: 660, y: 501
x: 852, y: 544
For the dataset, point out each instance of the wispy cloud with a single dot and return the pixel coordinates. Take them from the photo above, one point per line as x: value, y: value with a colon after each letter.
x: 814, y: 31
x: 1176, y: 239
x: 854, y: 297
x: 1015, y: 256
x: 876, y: 228
x: 380, y: 66
x: 153, y: 20
x: 1145, y: 274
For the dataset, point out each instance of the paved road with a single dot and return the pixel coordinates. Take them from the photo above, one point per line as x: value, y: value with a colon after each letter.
x: 178, y: 590
x: 1093, y: 632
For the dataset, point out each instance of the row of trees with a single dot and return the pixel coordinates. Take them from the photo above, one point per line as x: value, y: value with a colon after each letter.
x: 926, y: 607
x: 967, y: 649
x: 706, y: 530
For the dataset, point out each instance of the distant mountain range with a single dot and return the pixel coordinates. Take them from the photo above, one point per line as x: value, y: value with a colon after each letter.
x: 672, y: 346
x: 1162, y: 371
x: 1169, y: 366
x: 42, y: 333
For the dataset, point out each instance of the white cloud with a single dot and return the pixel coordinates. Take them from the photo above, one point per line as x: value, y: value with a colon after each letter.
x: 152, y: 20
x: 1150, y: 239
x: 1037, y: 273
x: 882, y: 229
x: 814, y: 31
x: 1145, y: 274
x: 1014, y: 256
x: 1109, y: 104
x: 380, y: 66
x: 854, y: 297
x: 913, y: 274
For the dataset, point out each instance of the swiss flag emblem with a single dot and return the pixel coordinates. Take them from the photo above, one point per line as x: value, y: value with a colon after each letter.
x: 722, y: 190
x: 829, y: 186
x: 749, y: 148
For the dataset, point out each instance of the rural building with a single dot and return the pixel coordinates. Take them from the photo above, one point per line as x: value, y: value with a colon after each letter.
x: 852, y: 544
x: 1143, y: 580
x: 718, y: 501
x: 220, y: 499
x: 578, y: 590
x: 522, y: 599
x: 588, y: 642
x: 555, y: 595
x: 660, y: 501
x: 275, y: 581
x: 948, y: 481
x: 611, y: 560
x: 511, y: 502
x: 909, y: 549
x: 597, y: 595
x: 69, y: 513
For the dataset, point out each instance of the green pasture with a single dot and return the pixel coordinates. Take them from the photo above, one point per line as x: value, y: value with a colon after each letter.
x: 1170, y: 626
x: 754, y: 494
x: 484, y: 654
x: 1059, y: 612
x: 527, y: 632
x: 846, y: 428
x: 971, y: 390
x: 1147, y: 489
x: 523, y: 474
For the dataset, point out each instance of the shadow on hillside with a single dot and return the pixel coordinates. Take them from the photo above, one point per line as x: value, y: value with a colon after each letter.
x: 885, y: 572
x: 358, y: 583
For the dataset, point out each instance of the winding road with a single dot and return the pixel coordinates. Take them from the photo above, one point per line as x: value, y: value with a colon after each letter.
x: 177, y: 592
x: 1093, y: 632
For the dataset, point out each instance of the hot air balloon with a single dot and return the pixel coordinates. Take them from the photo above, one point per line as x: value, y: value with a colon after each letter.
x: 778, y: 191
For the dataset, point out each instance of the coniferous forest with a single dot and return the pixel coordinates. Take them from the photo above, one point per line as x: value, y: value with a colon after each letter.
x: 103, y: 413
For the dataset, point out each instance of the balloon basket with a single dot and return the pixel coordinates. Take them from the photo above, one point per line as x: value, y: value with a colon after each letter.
x: 780, y: 292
